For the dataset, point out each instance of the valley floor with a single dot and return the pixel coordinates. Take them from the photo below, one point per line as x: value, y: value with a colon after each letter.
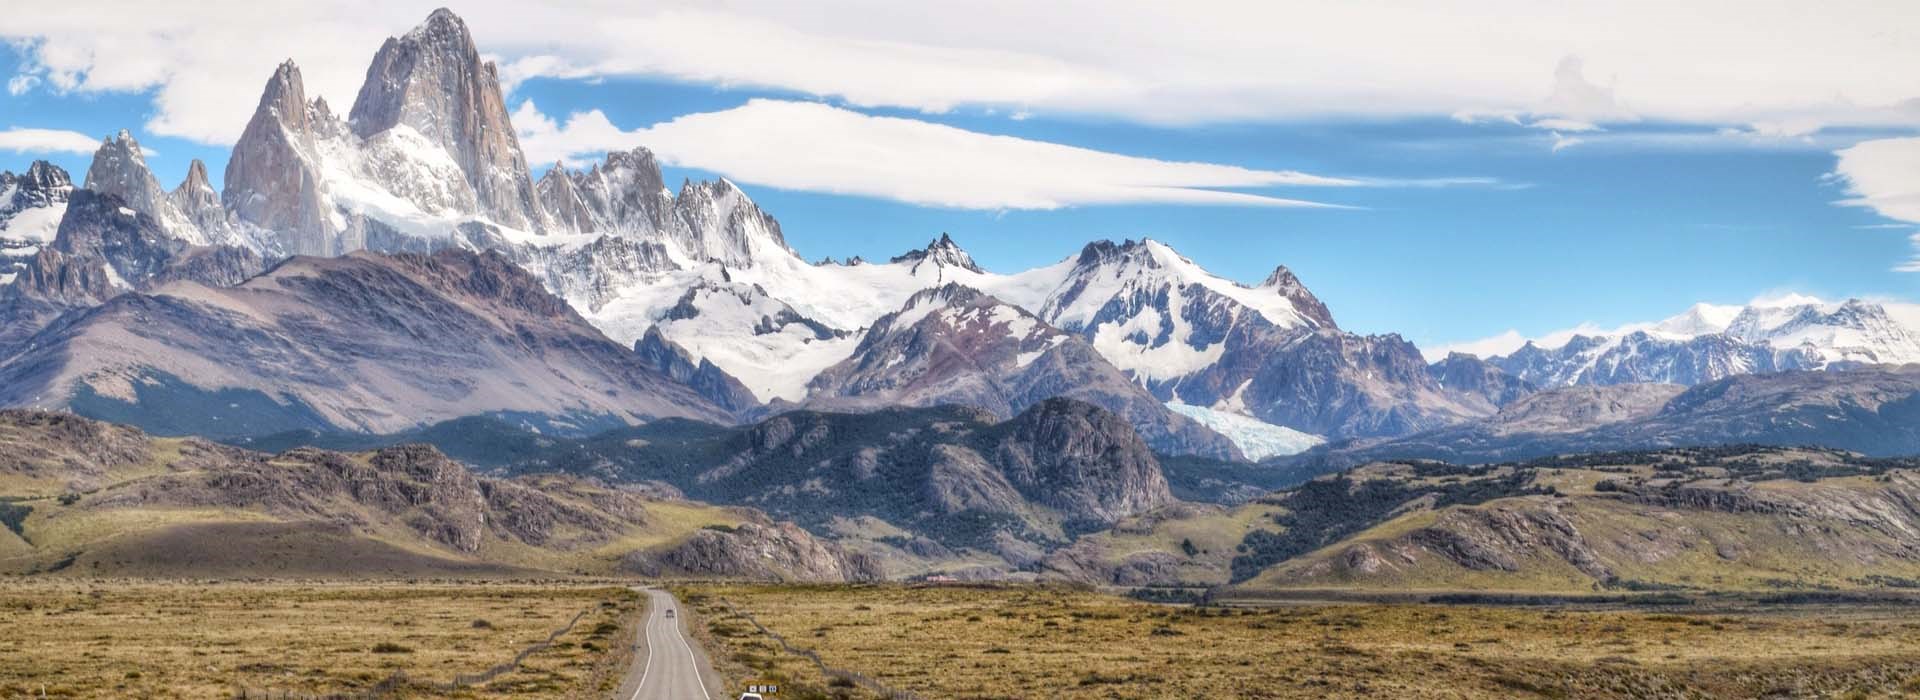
x: 80, y: 639
x: 98, y: 639
x: 964, y: 642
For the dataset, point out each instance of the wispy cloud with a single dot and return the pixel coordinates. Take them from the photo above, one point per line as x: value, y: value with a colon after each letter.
x: 1562, y: 141
x: 30, y: 140
x: 821, y: 148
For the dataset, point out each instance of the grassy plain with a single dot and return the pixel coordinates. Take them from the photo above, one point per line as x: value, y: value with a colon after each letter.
x: 83, y: 639
x: 978, y: 643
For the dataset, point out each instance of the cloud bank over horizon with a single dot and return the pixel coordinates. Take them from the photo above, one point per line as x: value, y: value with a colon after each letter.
x: 1775, y: 70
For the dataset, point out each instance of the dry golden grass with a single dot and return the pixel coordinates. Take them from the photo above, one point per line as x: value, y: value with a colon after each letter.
x: 1059, y: 643
x: 82, y: 639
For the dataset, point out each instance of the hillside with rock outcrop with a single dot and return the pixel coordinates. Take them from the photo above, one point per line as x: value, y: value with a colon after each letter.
x: 1731, y: 518
x: 81, y: 497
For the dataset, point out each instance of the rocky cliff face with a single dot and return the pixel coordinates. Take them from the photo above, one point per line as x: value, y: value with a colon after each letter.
x: 133, y: 245
x: 1475, y: 377
x: 704, y: 377
x: 274, y: 179
x: 119, y: 169
x: 431, y: 81
x: 757, y: 551
x: 1081, y: 460
x: 200, y: 204
x: 624, y: 195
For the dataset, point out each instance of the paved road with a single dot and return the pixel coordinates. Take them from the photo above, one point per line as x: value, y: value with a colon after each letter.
x: 668, y: 668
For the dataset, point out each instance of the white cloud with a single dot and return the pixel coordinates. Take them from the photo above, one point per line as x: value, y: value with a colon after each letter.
x: 1722, y: 62
x: 27, y: 140
x: 1561, y: 141
x: 821, y: 148
x: 1883, y: 175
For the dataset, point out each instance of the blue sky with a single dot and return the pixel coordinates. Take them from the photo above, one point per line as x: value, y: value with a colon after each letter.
x: 1464, y: 225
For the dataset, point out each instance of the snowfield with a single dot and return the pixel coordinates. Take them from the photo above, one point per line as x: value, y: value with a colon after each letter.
x: 1258, y: 439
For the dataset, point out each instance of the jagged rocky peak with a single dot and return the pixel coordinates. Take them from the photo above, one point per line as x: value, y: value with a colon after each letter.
x: 1103, y: 252
x: 274, y: 179
x: 43, y: 183
x: 101, y: 226
x: 719, y: 222
x: 432, y: 81
x: 625, y: 195
x: 637, y: 169
x: 31, y: 204
x: 1283, y: 282
x: 119, y: 168
x: 668, y: 358
x: 284, y: 99
x: 560, y: 196
x: 941, y: 252
x: 196, y: 190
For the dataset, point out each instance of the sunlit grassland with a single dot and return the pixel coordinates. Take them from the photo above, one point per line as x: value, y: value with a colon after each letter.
x: 79, y: 639
x: 957, y: 642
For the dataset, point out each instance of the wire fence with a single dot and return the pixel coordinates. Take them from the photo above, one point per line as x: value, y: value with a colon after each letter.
x: 855, y: 677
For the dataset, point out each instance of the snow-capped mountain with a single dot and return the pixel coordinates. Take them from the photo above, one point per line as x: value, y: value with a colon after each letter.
x: 31, y: 205
x: 703, y: 283
x: 119, y: 168
x: 957, y: 345
x: 1709, y: 342
x: 429, y: 89
x: 1157, y: 314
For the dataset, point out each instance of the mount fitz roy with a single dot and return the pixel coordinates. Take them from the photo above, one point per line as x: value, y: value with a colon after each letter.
x: 605, y: 296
